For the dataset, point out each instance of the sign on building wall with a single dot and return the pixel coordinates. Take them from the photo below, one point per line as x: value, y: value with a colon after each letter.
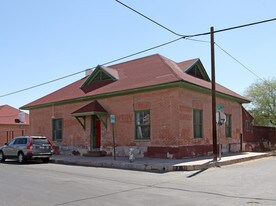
x: 112, y: 118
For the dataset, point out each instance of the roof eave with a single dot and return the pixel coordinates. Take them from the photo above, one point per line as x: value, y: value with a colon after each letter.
x: 180, y: 83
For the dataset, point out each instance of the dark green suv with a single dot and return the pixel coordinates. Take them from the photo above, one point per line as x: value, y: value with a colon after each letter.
x: 24, y: 148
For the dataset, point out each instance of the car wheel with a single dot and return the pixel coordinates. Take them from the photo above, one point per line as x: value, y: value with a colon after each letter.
x: 21, y: 158
x: 2, y: 157
x: 45, y: 160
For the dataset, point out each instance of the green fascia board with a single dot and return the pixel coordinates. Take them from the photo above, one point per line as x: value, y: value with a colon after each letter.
x: 88, y: 114
x: 105, y: 95
x: 181, y: 84
x: 205, y: 90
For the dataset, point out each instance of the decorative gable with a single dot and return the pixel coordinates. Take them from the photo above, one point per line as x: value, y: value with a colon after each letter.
x: 194, y: 68
x: 197, y: 70
x: 100, y: 77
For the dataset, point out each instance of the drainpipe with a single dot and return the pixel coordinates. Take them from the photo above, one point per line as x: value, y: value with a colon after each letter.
x: 241, y: 140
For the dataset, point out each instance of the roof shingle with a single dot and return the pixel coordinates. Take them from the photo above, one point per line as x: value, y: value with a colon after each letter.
x: 9, y: 115
x: 143, y: 72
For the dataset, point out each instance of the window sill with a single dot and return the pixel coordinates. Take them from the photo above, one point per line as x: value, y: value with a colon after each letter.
x: 142, y: 140
x: 198, y: 138
x: 57, y: 141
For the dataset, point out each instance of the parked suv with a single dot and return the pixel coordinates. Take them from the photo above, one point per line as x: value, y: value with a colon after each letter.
x: 27, y: 147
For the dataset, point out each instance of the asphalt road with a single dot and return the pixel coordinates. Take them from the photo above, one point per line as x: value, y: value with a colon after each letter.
x: 36, y: 184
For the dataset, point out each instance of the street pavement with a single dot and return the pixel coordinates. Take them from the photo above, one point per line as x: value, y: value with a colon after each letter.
x: 34, y: 183
x: 157, y: 164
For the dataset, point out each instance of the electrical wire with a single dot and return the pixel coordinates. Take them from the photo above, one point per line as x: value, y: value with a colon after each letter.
x: 54, y: 80
x: 186, y: 37
x: 190, y: 37
x: 38, y: 85
x: 197, y: 40
x: 234, y: 27
x: 155, y: 22
x: 239, y: 62
x: 199, y: 34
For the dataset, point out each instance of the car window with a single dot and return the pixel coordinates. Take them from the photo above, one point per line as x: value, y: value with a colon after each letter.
x: 40, y: 141
x: 17, y: 141
x: 11, y: 142
x: 25, y: 140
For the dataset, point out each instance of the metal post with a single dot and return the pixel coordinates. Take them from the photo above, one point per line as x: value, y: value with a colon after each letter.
x: 215, y: 148
x: 241, y: 140
x: 219, y: 142
x: 114, y: 147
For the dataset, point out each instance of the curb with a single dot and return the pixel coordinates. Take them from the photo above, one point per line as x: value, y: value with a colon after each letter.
x: 117, y: 165
x: 160, y: 168
x: 219, y: 163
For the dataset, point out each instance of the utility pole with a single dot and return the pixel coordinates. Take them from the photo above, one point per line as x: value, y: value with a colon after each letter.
x: 214, y: 126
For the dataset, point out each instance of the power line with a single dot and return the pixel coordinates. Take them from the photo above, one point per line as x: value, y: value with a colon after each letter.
x: 64, y: 77
x: 155, y: 22
x: 143, y: 51
x: 38, y: 85
x: 187, y: 37
x: 197, y: 40
x: 235, y: 59
x: 235, y: 27
x: 199, y: 34
x: 239, y: 62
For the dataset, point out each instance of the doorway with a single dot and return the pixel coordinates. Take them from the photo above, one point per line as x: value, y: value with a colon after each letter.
x: 95, y: 134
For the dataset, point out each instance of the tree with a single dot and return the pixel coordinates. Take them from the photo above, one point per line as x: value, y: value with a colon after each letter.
x: 263, y: 102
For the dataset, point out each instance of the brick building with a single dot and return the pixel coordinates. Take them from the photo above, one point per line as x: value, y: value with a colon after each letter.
x: 13, y: 123
x: 257, y: 138
x: 162, y: 109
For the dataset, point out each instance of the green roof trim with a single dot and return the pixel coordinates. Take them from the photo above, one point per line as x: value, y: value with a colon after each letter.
x: 181, y: 84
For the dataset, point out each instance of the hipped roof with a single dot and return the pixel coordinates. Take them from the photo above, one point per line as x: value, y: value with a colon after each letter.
x: 9, y: 115
x: 134, y: 75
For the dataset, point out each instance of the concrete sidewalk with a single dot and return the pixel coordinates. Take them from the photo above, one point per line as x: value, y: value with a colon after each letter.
x: 156, y: 164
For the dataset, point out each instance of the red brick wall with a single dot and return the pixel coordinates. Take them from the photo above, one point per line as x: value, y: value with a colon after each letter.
x: 265, y: 134
x: 8, y: 131
x: 248, y: 135
x: 190, y: 100
x: 73, y: 134
x: 171, y: 120
x: 256, y: 138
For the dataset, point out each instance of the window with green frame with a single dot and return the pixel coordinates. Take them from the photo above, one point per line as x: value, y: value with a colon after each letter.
x: 197, y: 119
x: 142, y: 125
x: 57, y: 129
x: 228, y: 126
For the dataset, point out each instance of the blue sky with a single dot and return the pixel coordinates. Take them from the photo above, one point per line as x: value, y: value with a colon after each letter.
x: 44, y: 40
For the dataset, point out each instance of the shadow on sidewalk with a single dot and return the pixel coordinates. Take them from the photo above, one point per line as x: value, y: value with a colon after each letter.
x: 205, y: 167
